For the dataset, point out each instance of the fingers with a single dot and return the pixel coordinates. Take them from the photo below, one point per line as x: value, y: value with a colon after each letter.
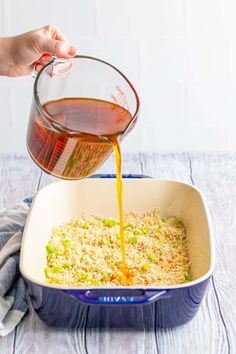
x: 45, y: 59
x: 55, y: 33
x: 54, y: 42
x: 38, y: 67
x: 58, y: 48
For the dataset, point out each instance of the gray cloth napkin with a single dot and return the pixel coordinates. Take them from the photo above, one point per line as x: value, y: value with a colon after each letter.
x: 13, y: 294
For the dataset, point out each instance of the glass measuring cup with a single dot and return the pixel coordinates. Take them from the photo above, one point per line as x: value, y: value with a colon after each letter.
x: 79, y: 106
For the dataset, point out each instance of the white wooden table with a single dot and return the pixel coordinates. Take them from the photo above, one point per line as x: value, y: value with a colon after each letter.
x: 212, y: 331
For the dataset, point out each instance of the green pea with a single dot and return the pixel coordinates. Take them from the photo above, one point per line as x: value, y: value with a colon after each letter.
x: 47, y: 272
x: 151, y: 257
x: 144, y: 231
x: 128, y: 226
x: 59, y: 252
x: 102, y: 243
x: 66, y: 243
x: 133, y: 239
x: 57, y: 269
x: 104, y: 278
x: 187, y: 277
x: 50, y: 248
x: 118, y: 236
x: 146, y: 266
x: 84, y: 276
x: 85, y: 225
x: 110, y: 222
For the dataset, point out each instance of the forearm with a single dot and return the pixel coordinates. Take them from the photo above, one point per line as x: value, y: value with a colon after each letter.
x: 5, y: 55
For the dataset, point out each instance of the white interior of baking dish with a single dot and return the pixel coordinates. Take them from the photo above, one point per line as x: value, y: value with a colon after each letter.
x: 62, y: 200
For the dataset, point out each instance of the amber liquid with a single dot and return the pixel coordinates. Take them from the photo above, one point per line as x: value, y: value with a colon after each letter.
x: 93, y: 129
x: 78, y: 150
x: 119, y: 190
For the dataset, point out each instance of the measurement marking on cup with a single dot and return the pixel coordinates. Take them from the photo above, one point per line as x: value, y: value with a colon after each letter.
x: 120, y: 98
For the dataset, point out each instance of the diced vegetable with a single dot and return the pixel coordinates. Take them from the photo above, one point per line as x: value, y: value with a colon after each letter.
x: 94, y: 282
x: 51, y: 256
x: 187, y: 277
x: 144, y: 231
x: 110, y: 222
x: 50, y: 248
x: 151, y: 257
x: 132, y: 239
x: 158, y: 230
x: 46, y: 272
x: 146, y: 266
x: 85, y: 225
x: 66, y: 265
x: 161, y: 242
x: 58, y: 251
x: 57, y: 269
x: 84, y: 276
x: 128, y: 226
x: 104, y: 278
x: 66, y: 243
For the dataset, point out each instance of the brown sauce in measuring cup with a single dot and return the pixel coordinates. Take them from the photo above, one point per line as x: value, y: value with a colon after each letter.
x: 78, y: 150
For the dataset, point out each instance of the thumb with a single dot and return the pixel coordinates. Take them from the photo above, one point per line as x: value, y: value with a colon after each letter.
x: 59, y: 48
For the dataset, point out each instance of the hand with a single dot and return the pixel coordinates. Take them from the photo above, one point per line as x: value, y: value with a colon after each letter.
x: 21, y: 54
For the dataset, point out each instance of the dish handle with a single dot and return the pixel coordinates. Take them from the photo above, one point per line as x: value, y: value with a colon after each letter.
x: 146, y: 298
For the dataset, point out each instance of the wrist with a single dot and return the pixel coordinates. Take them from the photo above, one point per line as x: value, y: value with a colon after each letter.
x: 5, y: 56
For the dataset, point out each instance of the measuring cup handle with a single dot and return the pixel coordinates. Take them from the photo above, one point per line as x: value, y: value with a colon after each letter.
x: 34, y: 72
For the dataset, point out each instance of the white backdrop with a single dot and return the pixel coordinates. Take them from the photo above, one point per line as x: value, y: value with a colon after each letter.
x: 180, y: 55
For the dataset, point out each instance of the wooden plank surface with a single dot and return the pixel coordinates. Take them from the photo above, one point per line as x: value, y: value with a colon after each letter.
x: 18, y: 180
x: 212, y: 331
x: 216, y: 176
x: 189, y: 338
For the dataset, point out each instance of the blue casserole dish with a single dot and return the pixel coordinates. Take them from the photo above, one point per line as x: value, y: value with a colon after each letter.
x: 63, y: 306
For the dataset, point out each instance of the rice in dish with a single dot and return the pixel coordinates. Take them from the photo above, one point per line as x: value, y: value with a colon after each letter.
x: 86, y: 252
